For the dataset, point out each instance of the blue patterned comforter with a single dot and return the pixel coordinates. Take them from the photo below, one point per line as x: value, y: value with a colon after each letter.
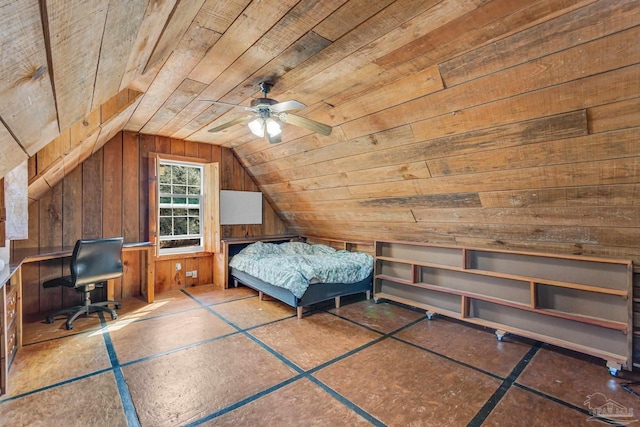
x: 294, y: 265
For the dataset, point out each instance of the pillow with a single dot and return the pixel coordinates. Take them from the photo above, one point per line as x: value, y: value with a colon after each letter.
x: 260, y: 248
x: 296, y: 248
x: 323, y: 250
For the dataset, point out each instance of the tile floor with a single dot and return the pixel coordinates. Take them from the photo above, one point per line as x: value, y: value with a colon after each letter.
x: 206, y: 356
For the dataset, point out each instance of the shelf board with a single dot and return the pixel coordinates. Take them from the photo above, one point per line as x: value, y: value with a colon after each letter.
x: 604, y: 323
x: 536, y: 280
x: 413, y: 303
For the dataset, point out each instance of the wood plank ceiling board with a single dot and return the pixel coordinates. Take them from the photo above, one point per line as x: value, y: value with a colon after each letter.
x: 568, y: 30
x: 75, y: 34
x: 179, y: 22
x: 254, y: 21
x: 189, y: 52
x: 610, y: 145
x: 570, y: 215
x: 287, y: 32
x: 396, y: 151
x: 11, y: 153
x: 114, y: 125
x: 155, y: 18
x: 599, y: 89
x: 28, y: 106
x: 121, y: 29
x: 209, y: 25
x: 563, y: 66
x: 360, y: 64
x: 182, y: 96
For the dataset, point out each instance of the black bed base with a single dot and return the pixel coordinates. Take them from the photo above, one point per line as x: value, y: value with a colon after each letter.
x: 315, y: 293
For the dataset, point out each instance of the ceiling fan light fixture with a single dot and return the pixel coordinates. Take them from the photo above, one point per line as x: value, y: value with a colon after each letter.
x: 257, y: 127
x: 273, y: 128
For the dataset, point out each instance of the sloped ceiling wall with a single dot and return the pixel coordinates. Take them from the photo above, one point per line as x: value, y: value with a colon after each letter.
x: 487, y: 123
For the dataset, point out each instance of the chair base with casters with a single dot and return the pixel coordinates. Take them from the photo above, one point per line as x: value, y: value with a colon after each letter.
x: 93, y: 262
x: 87, y: 306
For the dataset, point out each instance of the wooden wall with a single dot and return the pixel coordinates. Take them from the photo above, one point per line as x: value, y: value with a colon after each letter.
x: 107, y: 195
x: 527, y: 142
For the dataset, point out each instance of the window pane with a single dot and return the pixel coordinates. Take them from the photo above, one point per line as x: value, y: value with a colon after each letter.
x: 194, y: 213
x: 181, y: 243
x: 194, y: 225
x: 165, y: 211
x: 164, y: 188
x: 179, y: 175
x: 165, y: 226
x: 193, y: 190
x: 180, y: 212
x: 165, y: 199
x: 179, y: 200
x: 179, y: 189
x: 165, y: 173
x: 179, y: 226
x: 194, y: 202
x: 193, y: 176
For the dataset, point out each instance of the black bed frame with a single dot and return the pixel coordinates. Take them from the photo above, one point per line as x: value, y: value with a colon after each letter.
x: 315, y: 293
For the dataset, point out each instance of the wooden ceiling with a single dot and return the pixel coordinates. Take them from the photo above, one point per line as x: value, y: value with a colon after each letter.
x: 480, y: 122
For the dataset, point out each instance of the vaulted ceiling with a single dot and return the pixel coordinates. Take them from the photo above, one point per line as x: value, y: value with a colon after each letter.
x: 484, y: 122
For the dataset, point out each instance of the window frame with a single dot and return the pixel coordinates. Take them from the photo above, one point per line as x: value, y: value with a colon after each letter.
x: 210, y: 201
x: 201, y: 206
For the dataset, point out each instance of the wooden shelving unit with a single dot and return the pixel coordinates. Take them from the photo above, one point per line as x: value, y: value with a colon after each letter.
x: 580, y: 303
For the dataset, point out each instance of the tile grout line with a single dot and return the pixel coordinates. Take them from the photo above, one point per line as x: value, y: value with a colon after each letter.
x: 123, y: 390
x: 565, y: 404
x: 497, y: 395
x: 301, y: 374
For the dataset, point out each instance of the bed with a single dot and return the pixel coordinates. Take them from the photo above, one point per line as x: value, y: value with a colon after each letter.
x: 300, y: 274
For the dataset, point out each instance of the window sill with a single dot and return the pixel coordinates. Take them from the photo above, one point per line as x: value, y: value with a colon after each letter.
x: 183, y: 255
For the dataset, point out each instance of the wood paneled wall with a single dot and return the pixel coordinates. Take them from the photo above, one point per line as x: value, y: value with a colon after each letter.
x: 107, y: 195
x: 529, y: 142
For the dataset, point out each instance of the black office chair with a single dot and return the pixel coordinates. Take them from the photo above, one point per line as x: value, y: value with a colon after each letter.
x: 92, y: 263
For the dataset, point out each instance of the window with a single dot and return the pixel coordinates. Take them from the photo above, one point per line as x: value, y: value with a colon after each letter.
x: 181, y: 206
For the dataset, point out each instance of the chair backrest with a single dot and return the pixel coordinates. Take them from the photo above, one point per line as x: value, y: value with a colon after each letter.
x: 96, y: 260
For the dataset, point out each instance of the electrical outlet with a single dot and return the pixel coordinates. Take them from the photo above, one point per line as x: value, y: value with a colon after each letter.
x: 189, y: 273
x: 178, y: 266
x: 195, y: 273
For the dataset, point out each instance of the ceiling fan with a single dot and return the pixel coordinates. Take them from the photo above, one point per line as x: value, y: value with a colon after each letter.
x: 265, y: 111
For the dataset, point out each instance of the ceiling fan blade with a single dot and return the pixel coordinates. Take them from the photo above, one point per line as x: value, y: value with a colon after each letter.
x: 231, y: 123
x: 226, y: 104
x: 305, y: 123
x: 286, y: 106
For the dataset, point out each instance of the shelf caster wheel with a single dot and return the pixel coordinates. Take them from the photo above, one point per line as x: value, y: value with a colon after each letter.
x: 376, y: 300
x: 49, y: 320
x: 500, y: 334
x: 431, y: 315
x: 614, y: 368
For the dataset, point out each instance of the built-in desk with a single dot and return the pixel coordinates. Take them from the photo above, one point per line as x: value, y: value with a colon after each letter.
x: 11, y: 295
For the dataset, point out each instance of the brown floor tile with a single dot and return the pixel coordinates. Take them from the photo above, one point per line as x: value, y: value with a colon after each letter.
x: 301, y: 403
x: 383, y: 317
x: 521, y: 408
x: 164, y: 303
x: 50, y: 362
x: 573, y: 378
x: 402, y: 385
x: 211, y: 294
x: 314, y: 339
x: 134, y: 340
x: 476, y: 346
x: 250, y: 312
x: 187, y: 385
x: 92, y: 401
x: 35, y: 329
